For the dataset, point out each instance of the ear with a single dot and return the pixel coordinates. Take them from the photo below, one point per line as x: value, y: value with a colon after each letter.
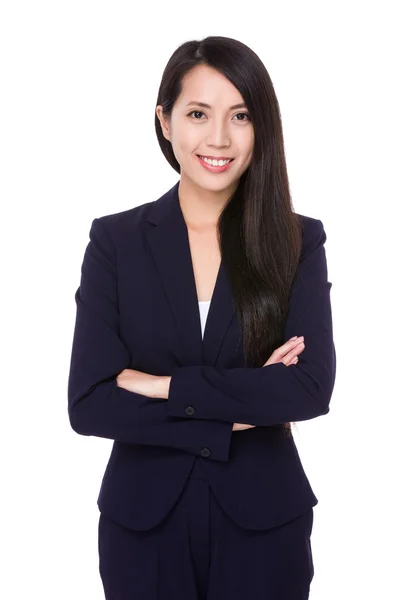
x: 164, y: 122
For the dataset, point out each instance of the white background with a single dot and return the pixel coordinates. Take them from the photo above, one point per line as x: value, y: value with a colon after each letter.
x: 79, y: 83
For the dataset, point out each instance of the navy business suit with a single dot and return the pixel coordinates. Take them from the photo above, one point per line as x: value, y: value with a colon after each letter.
x: 137, y: 308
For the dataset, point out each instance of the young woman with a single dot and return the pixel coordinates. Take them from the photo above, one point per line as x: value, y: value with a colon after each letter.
x: 203, y: 330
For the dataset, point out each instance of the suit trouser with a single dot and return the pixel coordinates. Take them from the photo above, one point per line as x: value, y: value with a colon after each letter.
x: 198, y: 553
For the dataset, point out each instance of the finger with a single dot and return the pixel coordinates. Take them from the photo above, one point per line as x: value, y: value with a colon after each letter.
x: 292, y: 362
x: 288, y: 361
x: 292, y: 353
x: 286, y: 347
x: 286, y: 352
x: 296, y: 350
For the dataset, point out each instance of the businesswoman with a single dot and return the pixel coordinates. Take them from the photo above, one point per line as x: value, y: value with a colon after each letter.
x: 203, y: 331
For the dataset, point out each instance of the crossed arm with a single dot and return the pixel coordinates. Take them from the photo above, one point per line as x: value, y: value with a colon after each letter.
x: 270, y: 395
x: 155, y: 386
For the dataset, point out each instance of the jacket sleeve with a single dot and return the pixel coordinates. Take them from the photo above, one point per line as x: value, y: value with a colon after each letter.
x: 96, y: 404
x: 276, y: 393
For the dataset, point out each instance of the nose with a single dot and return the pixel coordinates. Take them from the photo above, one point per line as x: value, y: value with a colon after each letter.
x: 218, y: 135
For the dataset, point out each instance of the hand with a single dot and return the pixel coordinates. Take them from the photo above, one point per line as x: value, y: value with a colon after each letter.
x: 241, y: 426
x: 288, y: 355
x: 138, y: 382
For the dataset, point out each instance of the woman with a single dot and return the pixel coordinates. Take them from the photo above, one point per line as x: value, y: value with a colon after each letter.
x: 203, y: 330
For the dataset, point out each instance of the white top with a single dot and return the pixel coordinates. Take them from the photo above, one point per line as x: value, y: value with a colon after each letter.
x: 203, y: 309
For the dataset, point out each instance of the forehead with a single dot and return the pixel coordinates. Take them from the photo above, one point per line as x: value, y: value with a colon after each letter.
x: 205, y: 84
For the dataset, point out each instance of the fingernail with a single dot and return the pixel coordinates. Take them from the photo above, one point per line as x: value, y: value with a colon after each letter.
x: 293, y: 338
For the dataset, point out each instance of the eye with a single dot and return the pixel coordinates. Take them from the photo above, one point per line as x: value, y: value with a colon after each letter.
x: 199, y: 112
x: 245, y: 114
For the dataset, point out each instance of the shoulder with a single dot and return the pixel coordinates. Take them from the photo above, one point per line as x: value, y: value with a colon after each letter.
x: 125, y: 219
x: 313, y: 234
x: 121, y: 225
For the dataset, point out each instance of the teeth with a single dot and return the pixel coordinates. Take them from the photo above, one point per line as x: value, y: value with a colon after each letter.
x: 216, y: 163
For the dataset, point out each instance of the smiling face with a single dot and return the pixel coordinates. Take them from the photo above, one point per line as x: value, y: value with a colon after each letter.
x: 222, y: 129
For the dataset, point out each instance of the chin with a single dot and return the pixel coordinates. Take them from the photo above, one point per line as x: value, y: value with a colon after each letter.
x: 216, y: 186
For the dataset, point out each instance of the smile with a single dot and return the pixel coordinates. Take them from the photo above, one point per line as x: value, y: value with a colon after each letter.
x: 216, y: 166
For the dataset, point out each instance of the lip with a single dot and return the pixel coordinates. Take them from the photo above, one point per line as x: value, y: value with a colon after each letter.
x: 216, y: 157
x: 212, y: 168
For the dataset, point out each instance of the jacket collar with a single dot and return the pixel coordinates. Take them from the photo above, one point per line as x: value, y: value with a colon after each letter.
x: 169, y: 245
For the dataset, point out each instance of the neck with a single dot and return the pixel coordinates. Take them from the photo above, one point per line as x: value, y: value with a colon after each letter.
x: 201, y: 208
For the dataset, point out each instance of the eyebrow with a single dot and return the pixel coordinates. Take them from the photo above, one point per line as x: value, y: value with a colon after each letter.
x: 204, y: 105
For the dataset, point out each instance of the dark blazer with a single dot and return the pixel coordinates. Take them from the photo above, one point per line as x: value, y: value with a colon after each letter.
x: 137, y: 307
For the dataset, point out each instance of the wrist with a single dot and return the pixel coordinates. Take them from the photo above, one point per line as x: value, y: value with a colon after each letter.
x: 162, y: 387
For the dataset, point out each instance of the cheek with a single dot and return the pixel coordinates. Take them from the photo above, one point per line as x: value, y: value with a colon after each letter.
x: 186, y: 147
x: 179, y: 149
x: 186, y: 139
x: 246, y: 143
x: 248, y: 155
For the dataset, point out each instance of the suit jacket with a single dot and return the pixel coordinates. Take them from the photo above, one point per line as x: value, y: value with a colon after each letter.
x: 137, y: 307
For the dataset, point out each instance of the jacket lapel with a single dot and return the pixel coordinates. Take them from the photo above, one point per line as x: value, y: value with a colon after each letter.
x: 169, y: 246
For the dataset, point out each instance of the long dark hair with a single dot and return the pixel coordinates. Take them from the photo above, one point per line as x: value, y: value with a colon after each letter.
x: 259, y: 234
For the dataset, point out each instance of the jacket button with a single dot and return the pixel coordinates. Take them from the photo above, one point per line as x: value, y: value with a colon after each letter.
x: 189, y: 410
x: 205, y: 452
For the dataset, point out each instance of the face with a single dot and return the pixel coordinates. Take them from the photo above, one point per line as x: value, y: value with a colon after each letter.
x: 218, y: 131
